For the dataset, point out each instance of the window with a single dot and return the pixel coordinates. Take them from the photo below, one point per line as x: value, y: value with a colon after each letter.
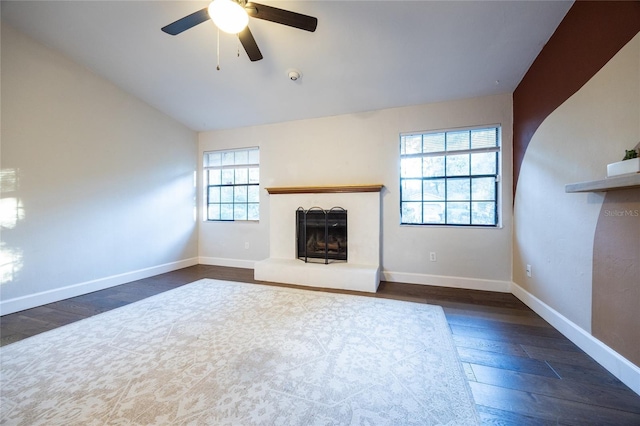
x: 231, y: 182
x: 450, y: 177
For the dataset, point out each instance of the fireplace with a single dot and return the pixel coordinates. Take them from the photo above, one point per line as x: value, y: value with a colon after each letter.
x: 361, y: 272
x: 321, y: 235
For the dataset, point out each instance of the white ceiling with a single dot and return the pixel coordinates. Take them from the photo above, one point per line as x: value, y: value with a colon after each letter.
x: 365, y: 55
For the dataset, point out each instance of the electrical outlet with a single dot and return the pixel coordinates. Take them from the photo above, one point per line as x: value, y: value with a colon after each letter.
x: 432, y: 256
x: 529, y: 271
x: 246, y: 245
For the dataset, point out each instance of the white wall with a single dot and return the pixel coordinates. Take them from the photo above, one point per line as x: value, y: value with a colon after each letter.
x: 364, y: 149
x: 554, y: 231
x: 97, y: 187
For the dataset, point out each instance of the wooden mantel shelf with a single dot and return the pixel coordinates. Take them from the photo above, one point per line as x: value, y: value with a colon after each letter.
x: 608, y: 184
x: 323, y: 189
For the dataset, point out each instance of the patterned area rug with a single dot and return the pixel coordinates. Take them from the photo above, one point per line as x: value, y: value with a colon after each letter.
x: 224, y: 353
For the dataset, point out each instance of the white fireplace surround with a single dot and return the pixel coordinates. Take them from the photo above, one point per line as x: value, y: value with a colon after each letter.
x: 361, y: 272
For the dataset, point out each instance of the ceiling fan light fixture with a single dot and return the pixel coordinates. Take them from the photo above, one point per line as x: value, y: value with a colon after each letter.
x: 228, y: 15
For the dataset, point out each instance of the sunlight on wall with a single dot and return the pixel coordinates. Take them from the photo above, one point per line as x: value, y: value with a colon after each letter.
x: 11, y: 213
x: 195, y: 197
x: 10, y: 263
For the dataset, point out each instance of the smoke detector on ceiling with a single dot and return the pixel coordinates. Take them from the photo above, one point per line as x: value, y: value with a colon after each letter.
x: 294, y: 75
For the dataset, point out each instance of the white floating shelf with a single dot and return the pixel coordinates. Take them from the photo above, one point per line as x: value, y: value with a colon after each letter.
x: 608, y: 184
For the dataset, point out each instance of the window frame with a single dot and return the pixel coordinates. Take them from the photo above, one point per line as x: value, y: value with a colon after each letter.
x: 446, y: 178
x: 234, y: 165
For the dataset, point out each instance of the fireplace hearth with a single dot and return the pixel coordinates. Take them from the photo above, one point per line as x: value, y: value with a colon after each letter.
x: 321, y: 235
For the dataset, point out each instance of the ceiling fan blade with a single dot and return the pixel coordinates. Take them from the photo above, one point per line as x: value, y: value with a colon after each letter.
x: 187, y: 22
x: 249, y: 44
x: 281, y: 16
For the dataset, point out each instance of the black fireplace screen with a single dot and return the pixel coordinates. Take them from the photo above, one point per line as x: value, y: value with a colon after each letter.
x: 321, y: 235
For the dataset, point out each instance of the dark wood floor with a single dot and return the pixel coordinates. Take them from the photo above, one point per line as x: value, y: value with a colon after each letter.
x: 520, y: 369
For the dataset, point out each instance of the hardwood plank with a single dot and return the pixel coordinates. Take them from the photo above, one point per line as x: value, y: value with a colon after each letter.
x: 508, y: 328
x: 512, y: 316
x: 496, y: 334
x: 78, y: 308
x: 503, y: 348
x: 22, y: 322
x: 550, y: 409
x: 578, y: 358
x: 507, y: 362
x: 53, y: 316
x: 6, y: 339
x: 619, y: 399
x: 597, y: 375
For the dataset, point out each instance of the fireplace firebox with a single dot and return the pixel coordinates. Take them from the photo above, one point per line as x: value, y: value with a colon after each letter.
x: 321, y: 235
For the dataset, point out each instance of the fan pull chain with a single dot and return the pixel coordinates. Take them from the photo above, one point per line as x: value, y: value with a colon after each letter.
x: 218, y: 51
x: 238, y: 46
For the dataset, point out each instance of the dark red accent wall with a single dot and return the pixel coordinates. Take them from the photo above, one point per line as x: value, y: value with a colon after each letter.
x: 591, y: 33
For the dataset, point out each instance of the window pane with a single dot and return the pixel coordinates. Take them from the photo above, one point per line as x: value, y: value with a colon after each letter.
x: 457, y: 140
x: 458, y: 213
x: 458, y: 189
x: 433, y: 142
x: 226, y: 211
x: 240, y: 194
x: 253, y: 211
x: 226, y: 194
x: 484, y: 163
x: 458, y: 165
x: 227, y: 176
x: 433, y: 212
x: 228, y: 158
x: 484, y: 138
x: 241, y: 176
x: 253, y: 195
x: 242, y: 157
x: 483, y: 213
x: 411, y: 144
x: 213, y: 159
x: 254, y: 156
x: 483, y: 189
x: 433, y: 190
x: 240, y: 212
x: 214, y: 194
x: 411, y: 167
x: 213, y: 212
x: 254, y: 175
x: 433, y: 166
x: 411, y: 212
x: 214, y: 177
x: 412, y: 190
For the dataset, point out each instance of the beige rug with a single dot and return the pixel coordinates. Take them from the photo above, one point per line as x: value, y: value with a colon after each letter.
x: 223, y: 353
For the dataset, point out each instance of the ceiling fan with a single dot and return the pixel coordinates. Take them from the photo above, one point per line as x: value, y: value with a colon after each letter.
x: 232, y: 16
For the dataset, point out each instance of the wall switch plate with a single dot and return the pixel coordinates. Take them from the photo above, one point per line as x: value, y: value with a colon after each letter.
x: 529, y: 271
x: 432, y: 256
x: 246, y: 245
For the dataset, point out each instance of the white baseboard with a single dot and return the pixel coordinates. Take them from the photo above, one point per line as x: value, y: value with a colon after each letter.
x: 32, y: 300
x: 447, y: 281
x: 616, y: 364
x: 221, y: 261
